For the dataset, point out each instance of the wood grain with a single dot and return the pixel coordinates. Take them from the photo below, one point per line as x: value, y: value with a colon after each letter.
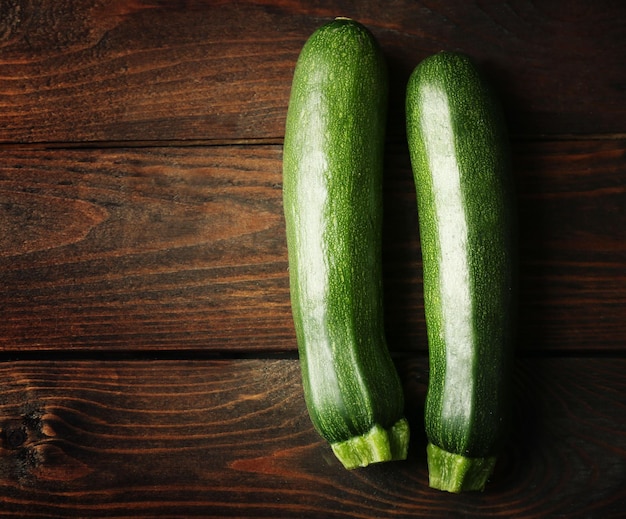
x: 178, y: 70
x: 183, y: 248
x: 232, y: 438
x: 149, y: 248
x: 572, y: 208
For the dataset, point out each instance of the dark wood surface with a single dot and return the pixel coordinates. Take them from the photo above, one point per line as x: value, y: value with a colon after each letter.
x: 231, y: 438
x: 148, y: 364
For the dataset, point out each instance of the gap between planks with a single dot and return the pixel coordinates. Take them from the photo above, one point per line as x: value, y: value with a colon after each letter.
x: 268, y: 141
x: 204, y: 355
x: 196, y: 143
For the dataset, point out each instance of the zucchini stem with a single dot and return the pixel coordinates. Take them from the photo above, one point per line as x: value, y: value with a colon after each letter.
x: 457, y: 473
x: 375, y: 446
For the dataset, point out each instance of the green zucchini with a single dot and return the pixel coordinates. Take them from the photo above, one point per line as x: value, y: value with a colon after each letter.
x: 332, y: 192
x: 461, y: 165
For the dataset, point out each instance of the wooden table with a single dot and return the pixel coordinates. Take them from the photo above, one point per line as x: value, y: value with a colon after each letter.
x: 149, y: 364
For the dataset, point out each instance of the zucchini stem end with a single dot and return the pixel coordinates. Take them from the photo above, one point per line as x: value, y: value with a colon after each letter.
x: 457, y: 473
x: 375, y: 446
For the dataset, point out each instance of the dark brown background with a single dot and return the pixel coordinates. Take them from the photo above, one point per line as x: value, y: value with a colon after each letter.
x: 148, y: 358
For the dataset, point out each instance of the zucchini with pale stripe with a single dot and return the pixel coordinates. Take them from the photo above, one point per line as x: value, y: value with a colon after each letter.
x: 461, y: 165
x: 332, y: 192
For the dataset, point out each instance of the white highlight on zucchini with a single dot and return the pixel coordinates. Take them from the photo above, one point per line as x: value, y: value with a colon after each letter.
x: 454, y: 279
x: 312, y: 198
x: 313, y: 268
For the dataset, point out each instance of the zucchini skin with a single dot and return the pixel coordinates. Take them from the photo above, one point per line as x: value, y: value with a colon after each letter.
x: 332, y: 194
x: 461, y: 165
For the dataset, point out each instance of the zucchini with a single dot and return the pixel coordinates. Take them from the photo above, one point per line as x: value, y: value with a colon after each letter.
x: 332, y: 193
x: 461, y: 165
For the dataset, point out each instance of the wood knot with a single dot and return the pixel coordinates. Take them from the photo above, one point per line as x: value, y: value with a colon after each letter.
x: 14, y: 436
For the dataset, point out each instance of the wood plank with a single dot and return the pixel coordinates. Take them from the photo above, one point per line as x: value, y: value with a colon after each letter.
x: 184, y: 248
x: 177, y: 70
x: 572, y: 247
x: 98, y: 438
x: 144, y: 249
